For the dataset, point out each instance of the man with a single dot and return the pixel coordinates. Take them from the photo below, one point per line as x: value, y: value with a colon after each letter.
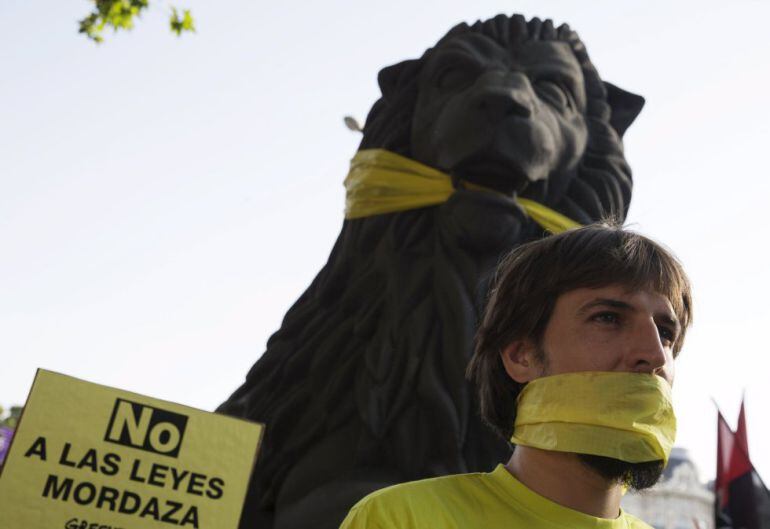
x: 574, y: 360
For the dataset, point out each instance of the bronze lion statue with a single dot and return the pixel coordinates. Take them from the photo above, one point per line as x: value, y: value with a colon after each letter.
x: 363, y: 385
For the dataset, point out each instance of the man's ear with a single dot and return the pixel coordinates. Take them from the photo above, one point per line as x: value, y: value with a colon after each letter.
x: 519, y: 360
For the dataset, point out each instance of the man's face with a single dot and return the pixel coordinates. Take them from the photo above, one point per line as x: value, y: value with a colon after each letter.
x: 604, y: 329
x: 611, y: 329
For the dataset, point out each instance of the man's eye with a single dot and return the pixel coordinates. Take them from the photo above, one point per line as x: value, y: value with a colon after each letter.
x: 607, y: 317
x: 666, y: 334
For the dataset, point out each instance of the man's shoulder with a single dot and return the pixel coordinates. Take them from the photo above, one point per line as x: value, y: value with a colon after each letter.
x: 416, y: 503
x: 426, y: 491
x: 632, y: 522
x: 432, y: 486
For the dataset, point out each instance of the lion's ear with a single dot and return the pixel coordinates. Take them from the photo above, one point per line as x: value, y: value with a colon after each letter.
x: 390, y: 78
x: 625, y: 107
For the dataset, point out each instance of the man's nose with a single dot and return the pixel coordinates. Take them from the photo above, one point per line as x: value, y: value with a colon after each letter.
x: 505, y: 94
x: 647, y: 354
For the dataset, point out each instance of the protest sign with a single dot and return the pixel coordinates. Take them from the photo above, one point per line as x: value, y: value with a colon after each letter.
x: 91, y: 456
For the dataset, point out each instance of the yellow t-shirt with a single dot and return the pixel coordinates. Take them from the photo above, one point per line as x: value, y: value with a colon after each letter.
x: 494, y: 500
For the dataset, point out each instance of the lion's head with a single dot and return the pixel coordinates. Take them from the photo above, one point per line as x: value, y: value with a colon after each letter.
x: 514, y: 105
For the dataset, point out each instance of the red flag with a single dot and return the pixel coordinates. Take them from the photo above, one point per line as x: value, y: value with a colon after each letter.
x: 741, y: 435
x: 742, y: 501
x: 732, y: 460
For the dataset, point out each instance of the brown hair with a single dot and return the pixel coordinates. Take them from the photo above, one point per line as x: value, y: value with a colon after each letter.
x: 534, y: 275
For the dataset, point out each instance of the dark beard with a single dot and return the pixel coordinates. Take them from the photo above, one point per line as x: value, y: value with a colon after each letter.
x: 636, y: 476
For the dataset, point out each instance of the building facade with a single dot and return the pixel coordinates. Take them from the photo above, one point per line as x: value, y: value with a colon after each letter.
x: 679, y: 501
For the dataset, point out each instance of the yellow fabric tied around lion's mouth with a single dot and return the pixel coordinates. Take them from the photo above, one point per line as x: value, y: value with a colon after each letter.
x: 625, y: 416
x: 382, y: 182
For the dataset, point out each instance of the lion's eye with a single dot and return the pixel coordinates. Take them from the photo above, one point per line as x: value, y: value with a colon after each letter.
x: 451, y: 78
x: 554, y: 94
x: 456, y: 75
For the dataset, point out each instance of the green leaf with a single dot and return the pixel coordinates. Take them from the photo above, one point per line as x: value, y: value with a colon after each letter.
x: 179, y: 24
x: 122, y: 15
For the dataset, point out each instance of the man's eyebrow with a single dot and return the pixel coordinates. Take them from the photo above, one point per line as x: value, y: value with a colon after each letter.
x: 605, y: 302
x: 664, y: 317
x: 670, y: 320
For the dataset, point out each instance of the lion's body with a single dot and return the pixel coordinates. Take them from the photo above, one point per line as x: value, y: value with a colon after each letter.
x: 364, y: 384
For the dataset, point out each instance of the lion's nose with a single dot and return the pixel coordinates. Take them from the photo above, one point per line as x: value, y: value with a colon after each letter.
x: 504, y: 94
x: 501, y: 98
x: 504, y: 102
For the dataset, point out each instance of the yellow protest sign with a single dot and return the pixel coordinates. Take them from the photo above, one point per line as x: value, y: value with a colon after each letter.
x: 86, y: 456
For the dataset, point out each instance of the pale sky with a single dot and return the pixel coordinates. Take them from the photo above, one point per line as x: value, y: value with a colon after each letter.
x: 164, y: 200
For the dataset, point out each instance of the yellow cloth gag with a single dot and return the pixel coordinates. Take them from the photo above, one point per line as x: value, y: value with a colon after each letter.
x: 626, y: 416
x: 381, y: 182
